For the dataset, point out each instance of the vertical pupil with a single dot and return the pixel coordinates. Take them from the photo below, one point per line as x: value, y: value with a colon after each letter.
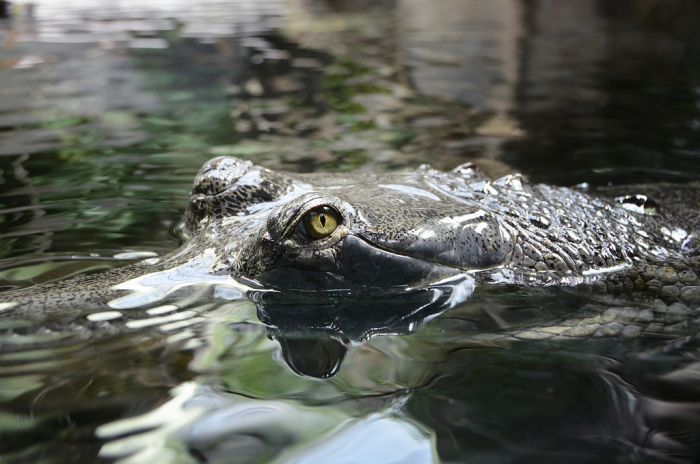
x: 322, y: 218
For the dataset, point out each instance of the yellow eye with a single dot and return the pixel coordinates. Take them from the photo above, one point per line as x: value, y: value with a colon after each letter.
x: 321, y: 222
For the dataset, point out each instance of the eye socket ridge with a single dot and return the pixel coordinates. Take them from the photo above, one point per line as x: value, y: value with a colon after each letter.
x: 319, y: 222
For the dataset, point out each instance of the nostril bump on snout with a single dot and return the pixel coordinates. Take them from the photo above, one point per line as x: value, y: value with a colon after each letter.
x: 218, y: 174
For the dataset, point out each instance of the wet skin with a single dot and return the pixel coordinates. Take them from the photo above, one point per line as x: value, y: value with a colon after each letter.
x: 412, y: 228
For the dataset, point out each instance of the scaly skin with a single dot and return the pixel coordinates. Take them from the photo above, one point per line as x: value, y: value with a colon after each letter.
x: 415, y: 227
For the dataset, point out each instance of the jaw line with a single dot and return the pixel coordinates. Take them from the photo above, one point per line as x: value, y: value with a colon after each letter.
x: 458, y: 270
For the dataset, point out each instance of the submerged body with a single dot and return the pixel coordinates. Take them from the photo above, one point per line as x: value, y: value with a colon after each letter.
x: 411, y: 228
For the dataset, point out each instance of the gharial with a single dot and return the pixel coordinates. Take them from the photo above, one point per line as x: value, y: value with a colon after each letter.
x: 417, y: 227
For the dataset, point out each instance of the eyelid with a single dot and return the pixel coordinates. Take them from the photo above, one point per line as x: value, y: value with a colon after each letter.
x: 292, y: 218
x: 301, y: 226
x: 284, y: 224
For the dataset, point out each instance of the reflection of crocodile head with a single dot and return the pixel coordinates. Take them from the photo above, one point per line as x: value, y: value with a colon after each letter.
x: 412, y: 227
x: 314, y: 331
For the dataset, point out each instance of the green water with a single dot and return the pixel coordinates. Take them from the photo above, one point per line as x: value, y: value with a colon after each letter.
x: 106, y: 113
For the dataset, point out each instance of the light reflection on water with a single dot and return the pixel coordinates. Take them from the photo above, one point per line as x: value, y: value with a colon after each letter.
x: 222, y: 427
x: 107, y: 111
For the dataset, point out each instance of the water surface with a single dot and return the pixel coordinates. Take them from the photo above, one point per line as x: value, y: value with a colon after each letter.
x: 106, y: 113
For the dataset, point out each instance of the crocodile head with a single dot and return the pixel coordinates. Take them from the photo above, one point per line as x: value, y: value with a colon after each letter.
x: 316, y: 231
x: 420, y: 226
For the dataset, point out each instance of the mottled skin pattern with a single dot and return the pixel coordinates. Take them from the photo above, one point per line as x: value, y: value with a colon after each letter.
x: 415, y: 227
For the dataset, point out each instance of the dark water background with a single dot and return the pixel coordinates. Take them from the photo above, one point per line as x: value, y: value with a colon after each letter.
x: 107, y: 109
